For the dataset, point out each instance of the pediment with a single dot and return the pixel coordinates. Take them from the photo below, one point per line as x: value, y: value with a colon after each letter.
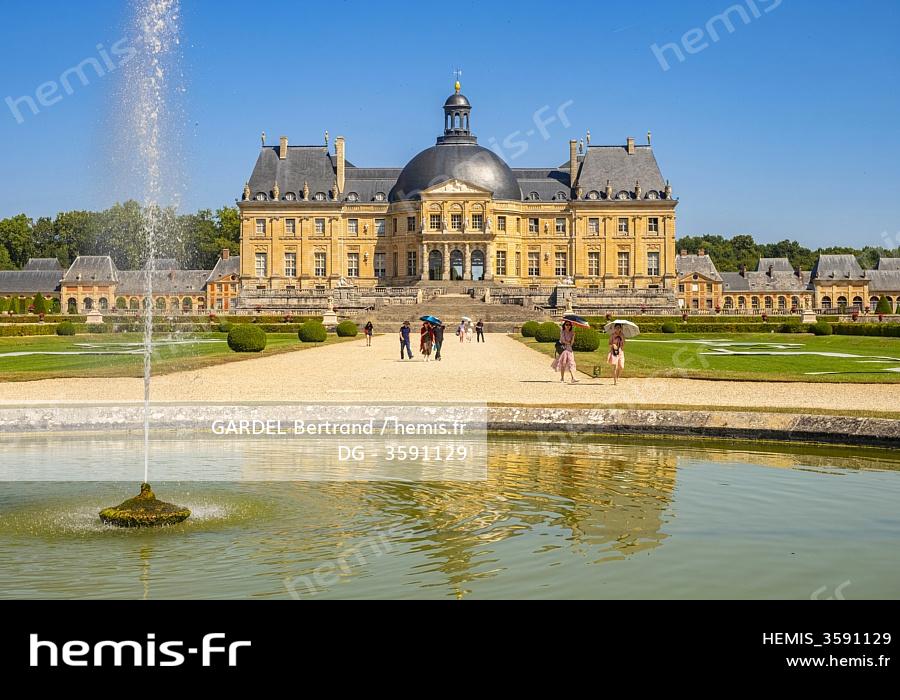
x: 454, y: 186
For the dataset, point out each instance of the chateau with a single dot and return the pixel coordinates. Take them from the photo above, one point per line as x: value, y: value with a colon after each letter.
x: 604, y: 218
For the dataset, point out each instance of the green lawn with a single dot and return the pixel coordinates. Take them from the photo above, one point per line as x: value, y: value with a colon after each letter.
x: 679, y: 355
x: 166, y: 357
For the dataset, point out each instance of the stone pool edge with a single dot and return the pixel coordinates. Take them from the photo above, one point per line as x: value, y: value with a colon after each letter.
x: 782, y: 427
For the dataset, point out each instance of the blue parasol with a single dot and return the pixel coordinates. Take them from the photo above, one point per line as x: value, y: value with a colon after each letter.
x: 434, y: 320
x: 576, y: 320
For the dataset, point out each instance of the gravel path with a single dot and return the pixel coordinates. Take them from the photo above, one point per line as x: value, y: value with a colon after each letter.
x: 502, y: 370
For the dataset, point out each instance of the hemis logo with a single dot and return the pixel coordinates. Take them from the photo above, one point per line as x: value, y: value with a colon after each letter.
x: 148, y: 653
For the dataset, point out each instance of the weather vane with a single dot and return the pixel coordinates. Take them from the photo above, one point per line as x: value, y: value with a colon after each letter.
x: 457, y: 74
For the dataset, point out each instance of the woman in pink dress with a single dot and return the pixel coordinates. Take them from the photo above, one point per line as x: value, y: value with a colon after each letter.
x: 566, y: 359
x: 616, y: 356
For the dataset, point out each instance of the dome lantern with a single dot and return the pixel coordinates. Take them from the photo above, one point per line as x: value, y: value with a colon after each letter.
x: 457, y: 111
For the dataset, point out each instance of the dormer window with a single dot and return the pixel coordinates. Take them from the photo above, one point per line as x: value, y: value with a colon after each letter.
x: 593, y: 194
x: 260, y: 197
x: 379, y: 196
x: 623, y: 195
x: 560, y: 195
x: 290, y: 197
x: 653, y: 194
x: 320, y: 197
x: 533, y: 196
x: 352, y: 197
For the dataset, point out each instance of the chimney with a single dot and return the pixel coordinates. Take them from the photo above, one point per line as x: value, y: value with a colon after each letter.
x: 573, y: 163
x: 743, y: 271
x: 684, y: 252
x: 630, y: 145
x: 339, y: 157
x: 282, y: 150
x: 701, y: 252
x: 799, y: 272
x: 769, y: 271
x: 225, y: 253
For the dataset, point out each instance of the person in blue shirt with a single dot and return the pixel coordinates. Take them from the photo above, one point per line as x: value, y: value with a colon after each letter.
x: 404, y: 340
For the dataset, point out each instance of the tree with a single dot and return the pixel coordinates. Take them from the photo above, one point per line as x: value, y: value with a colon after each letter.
x: 3, y: 302
x: 39, y: 304
x: 883, y: 306
x: 16, y: 237
x: 6, y: 262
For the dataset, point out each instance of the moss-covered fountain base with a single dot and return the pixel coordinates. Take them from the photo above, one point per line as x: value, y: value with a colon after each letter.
x: 144, y: 510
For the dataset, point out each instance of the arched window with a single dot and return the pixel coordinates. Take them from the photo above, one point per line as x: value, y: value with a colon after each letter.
x: 768, y: 302
x: 653, y: 194
x: 186, y: 304
x: 728, y: 303
x: 858, y: 302
x: 754, y: 302
x: 121, y: 303
x: 161, y: 304
x: 593, y: 194
x: 873, y: 302
x: 742, y: 303
x: 261, y: 197
x: 353, y: 197
x: 320, y: 196
x: 533, y: 196
x: 290, y: 196
x: 795, y: 302
x: 379, y: 196
x: 71, y: 305
x: 103, y: 303
x: 133, y: 305
x: 826, y: 302
x: 561, y: 195
x: 782, y: 303
x: 623, y: 195
x: 88, y: 304
x: 842, y: 302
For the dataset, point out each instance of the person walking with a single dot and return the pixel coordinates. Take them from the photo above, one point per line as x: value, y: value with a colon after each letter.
x: 426, y: 340
x: 368, y: 329
x: 479, y: 331
x: 469, y: 331
x: 438, y: 333
x: 461, y: 331
x: 404, y: 340
x: 565, y: 361
x: 616, y: 356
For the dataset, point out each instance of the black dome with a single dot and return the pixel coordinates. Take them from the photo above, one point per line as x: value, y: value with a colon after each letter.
x: 469, y: 162
x: 457, y: 100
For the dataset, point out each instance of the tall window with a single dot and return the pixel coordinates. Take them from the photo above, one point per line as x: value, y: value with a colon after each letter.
x: 290, y: 264
x: 290, y: 226
x: 320, y: 269
x: 534, y: 264
x: 353, y: 227
x: 594, y: 263
x: 260, y: 226
x: 534, y: 225
x: 261, y: 264
x: 623, y: 224
x: 561, y: 267
x: 380, y: 270
x: 501, y: 262
x: 352, y: 264
x: 320, y: 226
x: 411, y: 263
x: 518, y: 263
x: 653, y: 263
x: 379, y: 227
x: 624, y: 263
x: 560, y: 225
x: 434, y: 222
x: 410, y: 223
x: 478, y: 221
x: 394, y: 263
x: 456, y: 221
x: 396, y: 228
x: 501, y: 223
x: 594, y: 226
x: 653, y: 224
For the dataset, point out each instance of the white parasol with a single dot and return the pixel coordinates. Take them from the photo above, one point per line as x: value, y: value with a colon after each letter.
x: 629, y: 329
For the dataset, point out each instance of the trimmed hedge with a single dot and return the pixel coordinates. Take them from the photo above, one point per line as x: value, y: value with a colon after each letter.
x: 883, y: 306
x: 65, y: 328
x: 20, y: 330
x: 883, y: 330
x: 586, y: 340
x: 39, y: 304
x: 547, y: 332
x: 347, y: 329
x: 98, y: 328
x: 821, y: 328
x: 668, y: 327
x: 245, y: 337
x: 312, y: 332
x: 54, y: 318
x: 225, y: 327
x: 529, y: 328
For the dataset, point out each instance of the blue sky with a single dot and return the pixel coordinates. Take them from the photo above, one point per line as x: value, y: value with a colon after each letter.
x: 786, y: 127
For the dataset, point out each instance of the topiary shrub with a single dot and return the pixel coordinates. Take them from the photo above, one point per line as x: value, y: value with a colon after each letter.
x: 669, y: 327
x: 791, y: 328
x: 246, y: 338
x: 40, y: 304
x: 347, y: 329
x: 529, y: 328
x: 586, y: 340
x: 65, y: 328
x: 884, y: 306
x: 3, y: 302
x: 547, y: 332
x: 312, y: 332
x: 821, y: 328
x: 98, y: 328
x: 225, y: 327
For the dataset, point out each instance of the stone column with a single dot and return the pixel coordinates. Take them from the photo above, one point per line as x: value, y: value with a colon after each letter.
x: 489, y: 262
x: 424, y: 263
x: 467, y: 263
x: 446, y: 268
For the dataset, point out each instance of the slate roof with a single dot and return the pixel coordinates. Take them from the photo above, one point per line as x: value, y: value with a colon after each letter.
x: 165, y: 264
x: 29, y: 282
x: 367, y: 182
x: 777, y: 264
x: 763, y: 283
x: 837, y: 267
x: 613, y: 163
x: 91, y: 268
x: 303, y: 164
x: 884, y: 280
x: 164, y: 282
x: 43, y: 264
x: 547, y: 182
x: 889, y: 263
x: 699, y: 264
x: 225, y: 267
